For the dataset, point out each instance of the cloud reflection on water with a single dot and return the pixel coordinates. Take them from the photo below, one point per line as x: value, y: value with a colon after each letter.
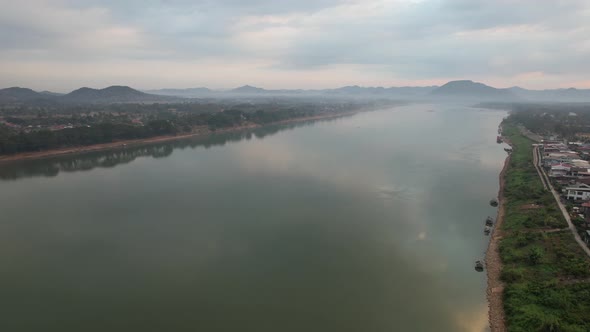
x: 322, y: 227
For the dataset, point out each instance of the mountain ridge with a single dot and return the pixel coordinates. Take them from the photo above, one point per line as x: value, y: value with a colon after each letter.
x: 459, y: 89
x: 186, y: 92
x: 472, y: 90
x: 564, y: 94
x: 115, y: 93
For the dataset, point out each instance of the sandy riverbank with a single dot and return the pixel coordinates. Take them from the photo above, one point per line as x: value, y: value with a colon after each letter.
x: 494, y: 264
x: 157, y: 139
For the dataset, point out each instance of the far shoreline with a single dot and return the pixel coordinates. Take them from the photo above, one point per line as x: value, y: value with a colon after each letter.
x: 156, y: 139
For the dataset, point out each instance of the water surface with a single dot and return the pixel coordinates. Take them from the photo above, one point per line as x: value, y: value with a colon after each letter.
x: 363, y: 223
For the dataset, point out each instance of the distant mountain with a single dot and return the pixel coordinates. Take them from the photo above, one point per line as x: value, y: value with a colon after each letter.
x: 354, y: 90
x: 247, y: 89
x: 413, y: 90
x: 187, y: 93
x: 466, y: 89
x: 49, y: 93
x: 558, y: 95
x: 454, y: 90
x: 392, y: 91
x: 112, y: 94
x: 22, y: 95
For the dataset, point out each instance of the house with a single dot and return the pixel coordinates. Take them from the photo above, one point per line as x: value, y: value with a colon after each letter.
x: 559, y: 170
x: 580, y: 172
x: 579, y: 163
x: 584, y: 180
x: 559, y: 157
x: 548, y: 147
x: 577, y: 192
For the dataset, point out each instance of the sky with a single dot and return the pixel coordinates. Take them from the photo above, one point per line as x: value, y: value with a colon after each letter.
x: 61, y: 45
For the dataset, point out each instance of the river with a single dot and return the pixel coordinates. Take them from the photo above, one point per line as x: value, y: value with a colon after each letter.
x: 369, y: 222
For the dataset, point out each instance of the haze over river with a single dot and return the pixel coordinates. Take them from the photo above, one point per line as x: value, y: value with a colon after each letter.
x: 370, y: 222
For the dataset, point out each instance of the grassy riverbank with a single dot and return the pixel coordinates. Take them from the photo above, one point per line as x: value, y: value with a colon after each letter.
x: 544, y: 270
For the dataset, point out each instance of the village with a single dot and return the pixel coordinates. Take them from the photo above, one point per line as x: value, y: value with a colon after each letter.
x: 565, y: 165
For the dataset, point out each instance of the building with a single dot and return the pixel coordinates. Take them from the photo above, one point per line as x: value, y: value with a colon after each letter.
x: 560, y: 170
x: 580, y: 172
x: 580, y: 163
x: 578, y: 192
x: 553, y: 158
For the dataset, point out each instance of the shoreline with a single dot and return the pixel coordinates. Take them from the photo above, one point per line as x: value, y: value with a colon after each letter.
x: 155, y: 139
x: 495, y: 288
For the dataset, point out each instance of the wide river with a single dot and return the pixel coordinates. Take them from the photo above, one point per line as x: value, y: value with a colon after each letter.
x: 365, y: 223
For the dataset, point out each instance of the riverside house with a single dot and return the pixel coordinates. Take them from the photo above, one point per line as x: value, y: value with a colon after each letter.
x: 578, y: 192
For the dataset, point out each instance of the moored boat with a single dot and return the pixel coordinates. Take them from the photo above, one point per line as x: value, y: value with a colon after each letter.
x: 489, y: 221
x: 478, y: 266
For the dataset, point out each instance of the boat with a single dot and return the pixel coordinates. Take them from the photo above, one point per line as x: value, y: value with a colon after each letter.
x: 499, y: 139
x: 487, y: 230
x: 478, y: 266
x: 494, y: 202
x: 489, y: 221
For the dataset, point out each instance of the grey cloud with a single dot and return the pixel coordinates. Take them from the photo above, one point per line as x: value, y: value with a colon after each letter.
x: 251, y: 7
x: 423, y: 40
x: 402, y: 38
x: 16, y: 36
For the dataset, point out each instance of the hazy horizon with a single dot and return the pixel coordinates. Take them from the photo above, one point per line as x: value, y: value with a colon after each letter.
x: 63, y: 45
x: 228, y: 89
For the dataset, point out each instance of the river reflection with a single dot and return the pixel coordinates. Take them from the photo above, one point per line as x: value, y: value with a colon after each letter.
x: 365, y: 223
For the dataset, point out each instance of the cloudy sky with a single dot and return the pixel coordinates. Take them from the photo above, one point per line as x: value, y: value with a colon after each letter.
x: 61, y: 45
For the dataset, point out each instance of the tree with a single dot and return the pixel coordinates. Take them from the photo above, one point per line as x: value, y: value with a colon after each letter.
x: 535, y: 255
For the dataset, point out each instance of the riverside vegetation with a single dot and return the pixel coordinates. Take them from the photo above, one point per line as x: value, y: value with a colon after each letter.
x: 544, y: 270
x: 33, y: 128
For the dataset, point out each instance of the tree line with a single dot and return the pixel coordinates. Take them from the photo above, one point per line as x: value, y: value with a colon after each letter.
x: 12, y: 141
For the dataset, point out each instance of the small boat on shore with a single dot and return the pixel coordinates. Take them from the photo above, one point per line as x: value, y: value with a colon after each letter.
x: 499, y: 139
x: 494, y: 202
x: 478, y: 266
x: 487, y: 230
x: 489, y: 221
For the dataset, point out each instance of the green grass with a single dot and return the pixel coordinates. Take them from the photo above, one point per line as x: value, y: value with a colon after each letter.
x: 538, y: 267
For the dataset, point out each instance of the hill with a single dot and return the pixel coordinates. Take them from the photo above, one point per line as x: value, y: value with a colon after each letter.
x: 186, y: 93
x: 112, y: 94
x: 553, y: 95
x: 466, y: 89
x: 248, y: 89
x: 51, y: 93
x: 16, y: 95
x: 406, y: 91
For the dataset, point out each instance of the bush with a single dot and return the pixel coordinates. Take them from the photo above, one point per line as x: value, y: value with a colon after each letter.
x: 535, y: 255
x: 512, y: 274
x: 577, y: 267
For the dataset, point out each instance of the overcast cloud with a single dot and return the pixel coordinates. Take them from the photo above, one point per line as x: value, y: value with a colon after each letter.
x: 64, y: 44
